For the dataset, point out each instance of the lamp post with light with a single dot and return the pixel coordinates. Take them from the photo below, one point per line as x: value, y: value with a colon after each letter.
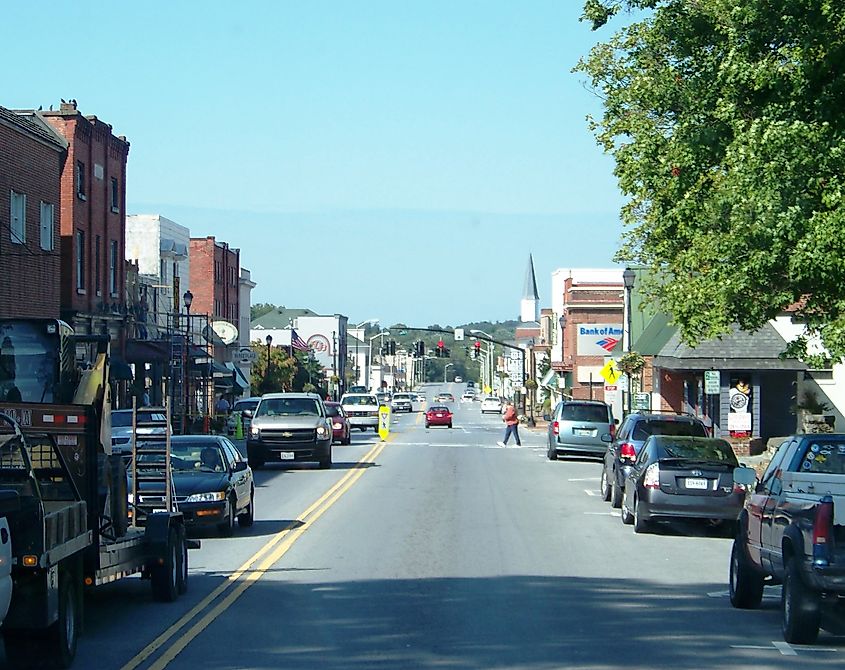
x: 269, y: 341
x: 187, y: 300
x: 357, y: 363
x: 628, y: 278
x: 476, y: 331
x: 446, y: 370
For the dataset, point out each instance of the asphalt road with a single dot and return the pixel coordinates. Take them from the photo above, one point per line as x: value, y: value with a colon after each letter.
x: 445, y: 550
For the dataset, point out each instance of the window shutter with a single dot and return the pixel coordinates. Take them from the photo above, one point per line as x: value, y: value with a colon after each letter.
x: 46, y: 226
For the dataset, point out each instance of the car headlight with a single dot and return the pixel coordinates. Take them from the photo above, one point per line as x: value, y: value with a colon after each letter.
x: 337, y: 426
x: 131, y: 498
x: 322, y: 431
x: 254, y: 431
x: 215, y: 496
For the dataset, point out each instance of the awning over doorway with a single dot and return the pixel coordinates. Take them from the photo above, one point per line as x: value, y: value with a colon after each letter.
x: 550, y: 379
x: 119, y: 370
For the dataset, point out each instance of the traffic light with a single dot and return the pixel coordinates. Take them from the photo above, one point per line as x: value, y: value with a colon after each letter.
x: 391, y: 347
x: 440, y: 349
x: 419, y: 348
x: 476, y: 352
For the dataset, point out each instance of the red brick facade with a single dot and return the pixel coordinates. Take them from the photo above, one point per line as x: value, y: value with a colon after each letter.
x: 30, y: 166
x: 215, y: 270
x: 93, y: 216
x: 590, y: 304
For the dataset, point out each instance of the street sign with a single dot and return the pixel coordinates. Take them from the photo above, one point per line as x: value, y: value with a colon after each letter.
x: 623, y: 382
x: 459, y: 334
x: 641, y: 401
x: 383, y: 422
x: 245, y: 355
x: 610, y: 372
x: 711, y: 382
x: 488, y: 389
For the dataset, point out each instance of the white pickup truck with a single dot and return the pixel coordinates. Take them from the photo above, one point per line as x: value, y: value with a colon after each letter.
x: 9, y: 502
x: 792, y: 532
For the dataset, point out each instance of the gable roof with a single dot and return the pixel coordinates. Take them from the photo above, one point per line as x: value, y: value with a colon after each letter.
x: 29, y: 122
x: 281, y: 317
x: 737, y: 350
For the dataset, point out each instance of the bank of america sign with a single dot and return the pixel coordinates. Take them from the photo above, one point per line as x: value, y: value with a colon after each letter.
x: 599, y: 339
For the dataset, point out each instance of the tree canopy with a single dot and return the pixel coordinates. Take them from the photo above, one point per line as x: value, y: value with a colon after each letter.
x: 726, y: 120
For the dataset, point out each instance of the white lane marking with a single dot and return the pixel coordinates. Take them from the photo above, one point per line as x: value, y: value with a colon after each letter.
x: 726, y: 594
x: 784, y: 648
x: 584, y: 479
x: 763, y: 647
x: 602, y: 513
x: 592, y: 494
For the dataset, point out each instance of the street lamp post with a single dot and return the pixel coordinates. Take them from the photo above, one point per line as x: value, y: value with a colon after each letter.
x: 628, y: 278
x: 187, y: 300
x: 445, y: 370
x: 370, y: 354
x: 476, y: 331
x: 357, y: 341
x: 269, y: 341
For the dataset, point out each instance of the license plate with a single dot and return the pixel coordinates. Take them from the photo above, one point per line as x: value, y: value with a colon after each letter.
x: 584, y: 432
x: 159, y: 511
x: 286, y: 456
x: 696, y: 484
x: 439, y: 416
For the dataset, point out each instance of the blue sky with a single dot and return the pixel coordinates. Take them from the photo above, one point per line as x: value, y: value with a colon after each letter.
x: 381, y: 159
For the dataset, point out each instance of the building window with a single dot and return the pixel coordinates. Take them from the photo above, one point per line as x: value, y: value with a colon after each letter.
x: 47, y: 226
x: 18, y: 218
x: 98, y: 252
x: 80, y: 261
x: 115, y: 195
x: 113, y: 269
x: 80, y: 180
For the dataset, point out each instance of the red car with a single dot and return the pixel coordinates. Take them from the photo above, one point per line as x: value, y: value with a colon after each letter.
x: 438, y: 415
x: 341, y: 430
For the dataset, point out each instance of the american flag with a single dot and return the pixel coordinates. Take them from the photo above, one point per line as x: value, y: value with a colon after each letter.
x: 297, y: 342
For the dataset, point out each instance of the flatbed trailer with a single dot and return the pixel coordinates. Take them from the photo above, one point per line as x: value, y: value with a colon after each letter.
x: 71, y: 530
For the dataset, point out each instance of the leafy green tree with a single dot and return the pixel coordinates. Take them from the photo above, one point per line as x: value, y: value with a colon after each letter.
x: 725, y: 119
x: 260, y: 309
x: 281, y: 369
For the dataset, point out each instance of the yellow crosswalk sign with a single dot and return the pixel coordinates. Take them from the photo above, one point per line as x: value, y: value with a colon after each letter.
x: 610, y: 372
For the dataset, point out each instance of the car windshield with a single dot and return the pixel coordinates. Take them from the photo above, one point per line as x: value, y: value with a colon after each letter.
x: 123, y: 419
x: 402, y: 396
x: 334, y: 410
x: 585, y: 413
x: 717, y: 451
x: 288, y: 407
x: 438, y: 408
x: 825, y: 457
x: 241, y: 405
x: 360, y: 400
x: 644, y: 429
x: 194, y: 456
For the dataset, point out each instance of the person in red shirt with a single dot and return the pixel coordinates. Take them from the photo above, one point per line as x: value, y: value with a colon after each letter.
x: 511, y: 426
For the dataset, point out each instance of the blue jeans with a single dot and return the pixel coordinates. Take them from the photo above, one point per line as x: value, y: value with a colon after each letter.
x: 512, y: 430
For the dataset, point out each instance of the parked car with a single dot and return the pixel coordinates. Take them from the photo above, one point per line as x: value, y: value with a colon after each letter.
x: 438, y: 415
x: 683, y: 477
x: 213, y: 482
x: 402, y: 402
x: 632, y: 434
x: 121, y: 426
x: 361, y: 409
x: 243, y: 409
x: 582, y: 427
x: 491, y: 404
x: 290, y: 427
x: 792, y: 532
x: 341, y: 428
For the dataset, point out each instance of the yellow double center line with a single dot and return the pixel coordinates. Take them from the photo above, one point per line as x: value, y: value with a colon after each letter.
x: 245, y: 576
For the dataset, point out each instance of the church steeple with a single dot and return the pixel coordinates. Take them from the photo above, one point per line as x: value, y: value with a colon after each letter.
x: 529, y: 308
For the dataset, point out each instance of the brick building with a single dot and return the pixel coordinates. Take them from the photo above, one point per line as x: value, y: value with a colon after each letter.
x: 92, y: 223
x: 31, y: 160
x: 214, y: 279
x: 591, y: 303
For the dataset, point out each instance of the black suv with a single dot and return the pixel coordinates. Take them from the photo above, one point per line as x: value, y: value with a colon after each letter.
x: 632, y: 434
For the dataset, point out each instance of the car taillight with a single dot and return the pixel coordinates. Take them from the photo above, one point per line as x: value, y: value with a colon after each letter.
x: 627, y: 451
x: 822, y: 529
x: 651, y: 480
x: 556, y: 428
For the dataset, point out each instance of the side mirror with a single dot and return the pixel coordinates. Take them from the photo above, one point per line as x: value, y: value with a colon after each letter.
x: 547, y: 417
x: 616, y: 422
x: 247, y: 413
x: 10, y: 502
x: 239, y: 466
x: 745, y: 476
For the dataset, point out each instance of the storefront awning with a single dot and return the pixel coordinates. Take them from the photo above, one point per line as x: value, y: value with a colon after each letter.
x: 119, y: 370
x: 550, y: 379
x: 241, y: 383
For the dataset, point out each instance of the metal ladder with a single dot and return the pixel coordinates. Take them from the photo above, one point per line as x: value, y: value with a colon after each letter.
x: 151, y: 466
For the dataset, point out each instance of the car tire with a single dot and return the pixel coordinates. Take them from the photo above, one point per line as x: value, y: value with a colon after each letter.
x: 640, y: 524
x: 746, y: 584
x: 363, y: 429
x: 247, y: 518
x: 227, y: 527
x: 348, y: 439
x: 182, y: 578
x: 800, y: 606
x: 375, y: 429
x: 551, y: 453
x: 59, y: 645
x: 450, y: 425
x: 604, y: 485
x: 627, y: 517
x: 615, y: 494
x: 164, y: 575
x: 326, y: 463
